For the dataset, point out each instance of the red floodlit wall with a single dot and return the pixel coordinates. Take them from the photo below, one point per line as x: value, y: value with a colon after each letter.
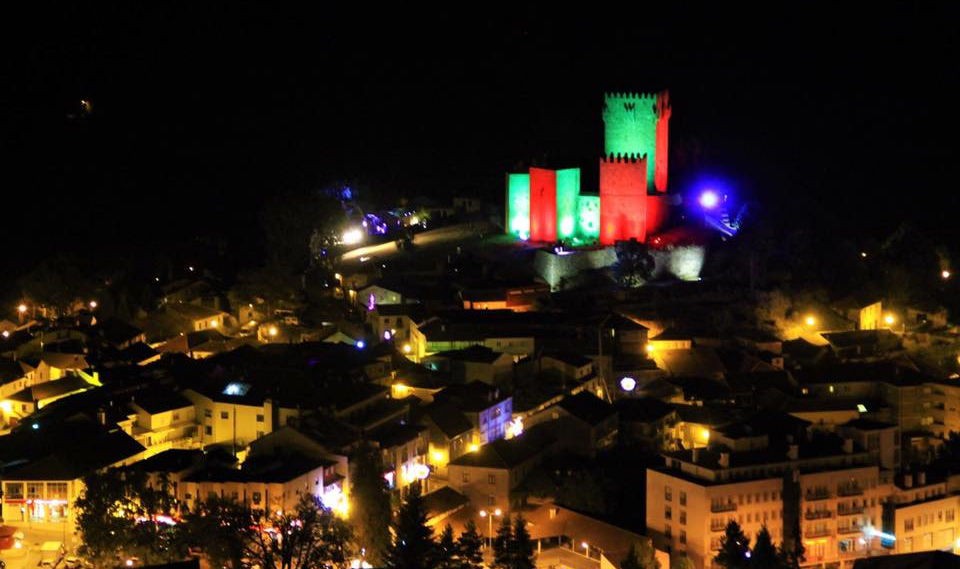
x: 663, y: 140
x: 657, y: 210
x: 543, y: 204
x: 623, y: 199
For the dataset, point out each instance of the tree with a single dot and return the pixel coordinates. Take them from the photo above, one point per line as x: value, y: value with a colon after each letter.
x: 290, y: 220
x: 734, y: 547
x: 765, y: 554
x: 413, y: 546
x: 119, y: 513
x: 307, y: 537
x: 448, y: 555
x: 370, y: 504
x: 57, y: 283
x: 640, y: 557
x: 469, y: 547
x: 522, y: 546
x: 215, y: 525
x: 634, y: 264
x: 502, y: 543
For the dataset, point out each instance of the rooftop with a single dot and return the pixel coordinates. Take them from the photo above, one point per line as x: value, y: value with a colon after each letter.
x: 588, y: 408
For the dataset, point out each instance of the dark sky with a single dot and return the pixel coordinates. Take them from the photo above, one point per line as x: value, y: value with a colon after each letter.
x: 199, y: 112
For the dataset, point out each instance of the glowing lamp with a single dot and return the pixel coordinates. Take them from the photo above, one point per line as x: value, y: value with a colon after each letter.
x: 387, y: 335
x: 889, y: 319
x: 709, y: 199
x: 810, y: 321
x: 473, y: 447
x: 945, y: 274
x: 273, y: 331
x: 361, y: 344
x: 22, y: 308
x: 6, y: 333
x: 407, y: 349
x: 498, y: 512
x: 93, y: 304
x: 414, y: 220
x: 650, y: 348
x: 352, y: 236
x: 628, y: 384
x: 584, y: 545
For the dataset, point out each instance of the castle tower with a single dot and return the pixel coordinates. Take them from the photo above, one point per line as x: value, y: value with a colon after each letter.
x: 623, y: 198
x: 663, y: 138
x: 637, y: 124
x: 543, y: 204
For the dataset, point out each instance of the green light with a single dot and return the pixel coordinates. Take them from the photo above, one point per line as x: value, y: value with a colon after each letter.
x: 630, y: 127
x: 588, y: 217
x: 518, y: 205
x: 568, y: 190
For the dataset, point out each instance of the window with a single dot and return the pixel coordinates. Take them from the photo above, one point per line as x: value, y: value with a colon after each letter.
x: 259, y: 418
x: 208, y: 413
x: 950, y: 515
x: 14, y: 490
x: 259, y: 434
x: 187, y: 496
x: 466, y: 477
x: 176, y: 416
x: 667, y: 531
x: 208, y: 430
x: 256, y: 497
x: 491, y: 479
x: 667, y: 512
x: 224, y: 414
x: 34, y: 490
x: 683, y: 498
x: 56, y: 490
x: 490, y: 500
x: 683, y: 536
x: 683, y: 517
x: 667, y: 493
x: 908, y: 524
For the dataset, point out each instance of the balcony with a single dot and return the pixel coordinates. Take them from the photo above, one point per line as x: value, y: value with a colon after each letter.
x: 818, y: 532
x: 718, y: 527
x: 728, y: 507
x: 818, y: 514
x: 850, y: 510
x: 849, y: 491
x: 813, y: 495
x: 849, y: 529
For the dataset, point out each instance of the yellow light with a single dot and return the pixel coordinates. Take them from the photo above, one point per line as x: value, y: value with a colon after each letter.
x: 945, y: 274
x: 273, y: 331
x: 863, y: 254
x: 584, y: 545
x: 93, y: 304
x: 810, y: 320
x: 214, y: 323
x: 600, y: 392
x: 6, y: 406
x: 889, y: 319
x: 414, y: 220
x: 483, y: 513
x: 438, y: 457
x: 498, y: 512
x: 337, y: 276
x: 650, y: 348
x: 22, y: 308
x: 705, y: 435
x: 407, y: 349
x: 474, y: 447
x: 400, y: 390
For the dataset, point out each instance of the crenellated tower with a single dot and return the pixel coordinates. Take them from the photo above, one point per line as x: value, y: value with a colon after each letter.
x: 638, y: 124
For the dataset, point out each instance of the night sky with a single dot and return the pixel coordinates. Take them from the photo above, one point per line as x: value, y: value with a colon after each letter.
x: 199, y: 112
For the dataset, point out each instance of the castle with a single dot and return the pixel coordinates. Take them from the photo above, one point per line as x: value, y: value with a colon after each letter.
x: 546, y: 205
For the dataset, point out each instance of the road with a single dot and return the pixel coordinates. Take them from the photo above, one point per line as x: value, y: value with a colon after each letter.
x: 35, y: 534
x: 428, y: 238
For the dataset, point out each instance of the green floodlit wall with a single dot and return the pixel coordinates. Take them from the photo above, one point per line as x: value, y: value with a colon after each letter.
x: 568, y: 190
x: 630, y: 127
x: 588, y: 217
x: 518, y: 205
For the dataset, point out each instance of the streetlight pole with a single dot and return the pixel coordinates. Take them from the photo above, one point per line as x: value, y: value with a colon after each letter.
x: 489, y: 515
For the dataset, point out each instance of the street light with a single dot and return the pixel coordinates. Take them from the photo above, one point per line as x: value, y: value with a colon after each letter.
x: 810, y: 320
x: 490, y: 515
